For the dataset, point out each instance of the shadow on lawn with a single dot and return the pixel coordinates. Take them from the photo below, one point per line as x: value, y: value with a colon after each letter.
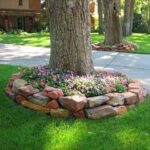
x: 23, y: 129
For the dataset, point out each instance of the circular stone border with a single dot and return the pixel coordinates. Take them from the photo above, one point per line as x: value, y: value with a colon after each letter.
x: 52, y: 101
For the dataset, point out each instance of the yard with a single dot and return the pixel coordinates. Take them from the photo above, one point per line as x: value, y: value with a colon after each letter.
x: 23, y: 129
x: 42, y: 39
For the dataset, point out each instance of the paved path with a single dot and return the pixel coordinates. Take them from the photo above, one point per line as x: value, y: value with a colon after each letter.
x: 134, y: 65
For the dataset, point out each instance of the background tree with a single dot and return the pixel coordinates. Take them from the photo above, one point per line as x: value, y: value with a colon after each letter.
x: 100, y: 14
x: 113, y: 29
x: 70, y: 35
x: 128, y: 17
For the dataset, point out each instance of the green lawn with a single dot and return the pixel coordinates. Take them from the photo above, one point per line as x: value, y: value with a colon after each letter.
x: 42, y: 39
x: 23, y: 129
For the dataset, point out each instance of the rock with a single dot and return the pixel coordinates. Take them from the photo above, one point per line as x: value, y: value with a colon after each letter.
x: 79, y: 114
x: 14, y: 77
x: 121, y: 110
x: 97, y: 101
x: 20, y: 98
x: 115, y: 99
x: 10, y: 93
x: 129, y: 107
x: 18, y: 83
x: 35, y: 107
x: 141, y: 93
x: 55, y: 94
x: 73, y: 103
x: 52, y: 104
x: 63, y: 113
x: 27, y: 91
x: 49, y: 89
x: 39, y: 99
x: 130, y: 98
x: 99, y: 112
x: 134, y: 86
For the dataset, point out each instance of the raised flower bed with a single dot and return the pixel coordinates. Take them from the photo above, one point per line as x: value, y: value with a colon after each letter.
x: 64, y: 94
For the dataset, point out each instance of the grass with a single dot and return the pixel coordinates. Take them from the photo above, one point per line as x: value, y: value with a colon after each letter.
x: 42, y: 39
x: 24, y: 129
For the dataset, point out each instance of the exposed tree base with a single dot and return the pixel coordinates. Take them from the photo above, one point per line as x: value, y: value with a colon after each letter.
x: 124, y: 46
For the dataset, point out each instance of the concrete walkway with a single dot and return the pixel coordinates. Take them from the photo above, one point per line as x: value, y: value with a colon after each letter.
x: 134, y: 65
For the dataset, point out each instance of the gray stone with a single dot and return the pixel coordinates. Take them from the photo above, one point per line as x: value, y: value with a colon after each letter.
x: 73, y: 103
x: 63, y: 113
x: 97, y: 100
x: 115, y: 99
x: 99, y: 112
x: 39, y: 99
x: 18, y: 83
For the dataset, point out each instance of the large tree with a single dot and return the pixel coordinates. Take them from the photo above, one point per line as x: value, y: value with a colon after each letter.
x: 100, y: 14
x: 128, y: 17
x: 113, y: 29
x: 70, y: 35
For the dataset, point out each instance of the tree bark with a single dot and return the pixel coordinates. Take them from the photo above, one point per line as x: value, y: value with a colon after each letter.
x: 70, y: 35
x: 128, y: 17
x: 113, y: 30
x: 100, y: 14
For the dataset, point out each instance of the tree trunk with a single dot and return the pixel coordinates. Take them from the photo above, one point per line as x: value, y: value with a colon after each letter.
x: 70, y: 35
x: 128, y: 17
x: 100, y: 14
x: 113, y: 30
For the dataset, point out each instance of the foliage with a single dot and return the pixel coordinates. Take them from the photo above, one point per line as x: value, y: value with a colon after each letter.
x: 94, y: 84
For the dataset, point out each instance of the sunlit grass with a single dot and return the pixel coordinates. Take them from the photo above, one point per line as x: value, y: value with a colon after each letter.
x: 43, y: 40
x: 24, y: 129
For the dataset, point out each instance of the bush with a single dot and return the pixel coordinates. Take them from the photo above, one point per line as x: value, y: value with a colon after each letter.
x: 139, y: 25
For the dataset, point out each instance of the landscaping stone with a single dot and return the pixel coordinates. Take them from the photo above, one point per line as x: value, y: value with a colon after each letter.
x: 129, y: 107
x: 62, y: 113
x: 73, y: 103
x: 20, y: 98
x: 14, y: 77
x: 130, y: 98
x: 35, y: 107
x: 52, y: 104
x: 49, y: 89
x: 97, y: 101
x: 27, y: 91
x: 79, y: 114
x: 55, y: 94
x: 18, y: 83
x: 121, y: 110
x: 115, y: 99
x: 10, y: 93
x: 39, y: 99
x: 99, y: 112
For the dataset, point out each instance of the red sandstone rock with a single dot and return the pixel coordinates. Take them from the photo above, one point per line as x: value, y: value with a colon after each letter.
x: 52, y: 104
x: 121, y: 110
x: 130, y: 98
x: 73, y: 103
x: 49, y: 89
x: 55, y: 94
x: 20, y: 98
x: 79, y: 114
x: 10, y: 93
x: 27, y: 91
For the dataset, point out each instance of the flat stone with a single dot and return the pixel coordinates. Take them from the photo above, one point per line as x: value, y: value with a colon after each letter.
x: 121, y: 110
x: 27, y: 91
x: 35, y: 107
x: 52, y: 104
x: 130, y: 98
x: 49, y: 89
x: 115, y: 99
x: 73, y: 103
x: 20, y: 98
x: 97, y: 101
x: 39, y: 99
x: 62, y: 113
x: 18, y: 83
x: 99, y: 112
x: 79, y: 114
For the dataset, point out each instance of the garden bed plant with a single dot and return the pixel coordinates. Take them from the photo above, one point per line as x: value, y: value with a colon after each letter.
x: 62, y: 93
